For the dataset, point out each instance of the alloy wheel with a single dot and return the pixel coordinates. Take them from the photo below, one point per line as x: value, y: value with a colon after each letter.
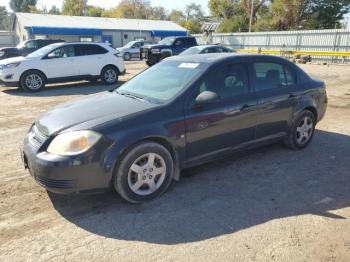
x: 33, y: 82
x: 304, y: 130
x: 110, y: 76
x: 147, y: 174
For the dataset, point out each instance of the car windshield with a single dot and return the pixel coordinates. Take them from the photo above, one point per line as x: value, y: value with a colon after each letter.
x: 191, y: 51
x: 128, y: 45
x: 162, y: 82
x: 167, y: 41
x: 43, y: 51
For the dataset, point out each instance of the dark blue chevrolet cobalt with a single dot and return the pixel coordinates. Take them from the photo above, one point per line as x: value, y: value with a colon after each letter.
x: 182, y: 112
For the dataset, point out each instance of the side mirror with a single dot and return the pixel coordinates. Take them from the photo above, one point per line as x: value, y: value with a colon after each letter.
x: 207, y: 97
x: 52, y: 56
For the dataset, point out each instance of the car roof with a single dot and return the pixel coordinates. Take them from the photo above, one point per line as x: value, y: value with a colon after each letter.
x: 213, y: 58
x: 79, y: 43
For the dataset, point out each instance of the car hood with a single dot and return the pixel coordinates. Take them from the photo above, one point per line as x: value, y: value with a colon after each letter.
x: 17, y: 59
x: 4, y: 49
x: 156, y: 46
x: 91, y: 111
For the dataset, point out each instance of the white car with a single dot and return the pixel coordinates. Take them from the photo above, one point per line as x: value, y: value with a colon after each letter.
x: 132, y: 49
x: 63, y: 62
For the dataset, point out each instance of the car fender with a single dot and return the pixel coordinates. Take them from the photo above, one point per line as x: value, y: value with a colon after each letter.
x: 163, y: 135
x: 306, y: 102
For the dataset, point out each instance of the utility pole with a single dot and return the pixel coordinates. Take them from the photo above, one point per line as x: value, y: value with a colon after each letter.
x: 251, y: 15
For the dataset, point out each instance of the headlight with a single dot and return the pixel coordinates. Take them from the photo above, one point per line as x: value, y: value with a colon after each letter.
x: 2, y: 53
x: 155, y: 51
x: 9, y: 66
x: 73, y: 143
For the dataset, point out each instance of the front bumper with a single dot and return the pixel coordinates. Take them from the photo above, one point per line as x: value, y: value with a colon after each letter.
x: 122, y: 72
x: 9, y: 77
x: 85, y: 173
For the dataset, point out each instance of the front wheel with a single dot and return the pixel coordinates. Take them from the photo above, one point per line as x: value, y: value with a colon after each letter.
x: 110, y: 75
x: 301, y: 133
x: 149, y: 63
x: 127, y: 56
x: 32, y: 81
x: 144, y: 173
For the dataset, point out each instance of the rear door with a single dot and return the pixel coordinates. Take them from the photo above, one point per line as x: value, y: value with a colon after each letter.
x: 276, y: 88
x: 229, y: 123
x: 90, y: 58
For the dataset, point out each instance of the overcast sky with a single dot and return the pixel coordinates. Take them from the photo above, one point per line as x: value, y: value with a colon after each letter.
x: 168, y: 4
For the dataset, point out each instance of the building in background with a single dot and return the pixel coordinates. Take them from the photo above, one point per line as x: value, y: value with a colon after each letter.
x: 117, y: 32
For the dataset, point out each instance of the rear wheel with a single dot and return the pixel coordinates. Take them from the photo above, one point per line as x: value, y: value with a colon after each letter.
x: 109, y: 75
x: 301, y: 133
x: 144, y: 173
x: 32, y: 81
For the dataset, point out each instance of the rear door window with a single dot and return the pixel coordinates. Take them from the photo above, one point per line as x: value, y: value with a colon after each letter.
x: 85, y: 50
x: 270, y: 75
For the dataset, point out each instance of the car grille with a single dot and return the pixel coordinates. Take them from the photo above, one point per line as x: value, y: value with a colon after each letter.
x: 53, y: 183
x: 36, y: 138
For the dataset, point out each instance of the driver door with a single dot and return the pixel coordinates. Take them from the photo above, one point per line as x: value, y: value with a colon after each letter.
x: 218, y: 127
x: 61, y: 62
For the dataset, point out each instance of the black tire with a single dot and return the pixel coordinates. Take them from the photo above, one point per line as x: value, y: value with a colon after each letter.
x: 122, y: 175
x: 109, y: 75
x: 127, y: 56
x: 294, y: 137
x: 35, y: 76
x: 149, y: 63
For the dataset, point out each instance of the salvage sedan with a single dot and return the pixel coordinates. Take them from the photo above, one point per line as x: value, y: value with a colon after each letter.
x: 182, y: 112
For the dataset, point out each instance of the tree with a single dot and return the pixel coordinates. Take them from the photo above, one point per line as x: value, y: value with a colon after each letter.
x: 94, y: 11
x: 54, y: 10
x: 131, y: 9
x: 74, y: 7
x: 22, y: 5
x: 327, y: 14
x: 157, y: 13
x: 176, y: 16
x: 194, y: 17
x: 4, y: 18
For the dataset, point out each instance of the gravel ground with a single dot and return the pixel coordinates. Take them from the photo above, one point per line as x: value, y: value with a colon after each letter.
x: 269, y: 204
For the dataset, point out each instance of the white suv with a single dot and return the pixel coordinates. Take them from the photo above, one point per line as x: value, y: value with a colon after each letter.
x: 63, y: 62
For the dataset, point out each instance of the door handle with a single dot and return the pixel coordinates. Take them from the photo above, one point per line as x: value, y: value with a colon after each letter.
x: 232, y: 111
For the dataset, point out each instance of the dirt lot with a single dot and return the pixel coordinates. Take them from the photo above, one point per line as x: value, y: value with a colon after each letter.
x: 270, y: 204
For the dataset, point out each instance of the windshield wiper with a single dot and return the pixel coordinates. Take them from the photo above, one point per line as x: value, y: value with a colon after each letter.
x: 131, y: 96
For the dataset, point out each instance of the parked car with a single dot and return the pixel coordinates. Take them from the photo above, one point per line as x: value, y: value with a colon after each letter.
x: 26, y: 47
x: 182, y: 112
x: 63, y: 62
x: 132, y: 49
x: 167, y: 47
x: 206, y: 49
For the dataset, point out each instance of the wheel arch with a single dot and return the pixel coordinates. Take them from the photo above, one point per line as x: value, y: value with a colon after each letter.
x: 33, y: 69
x: 111, y: 65
x: 159, y: 140
x: 313, y: 110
